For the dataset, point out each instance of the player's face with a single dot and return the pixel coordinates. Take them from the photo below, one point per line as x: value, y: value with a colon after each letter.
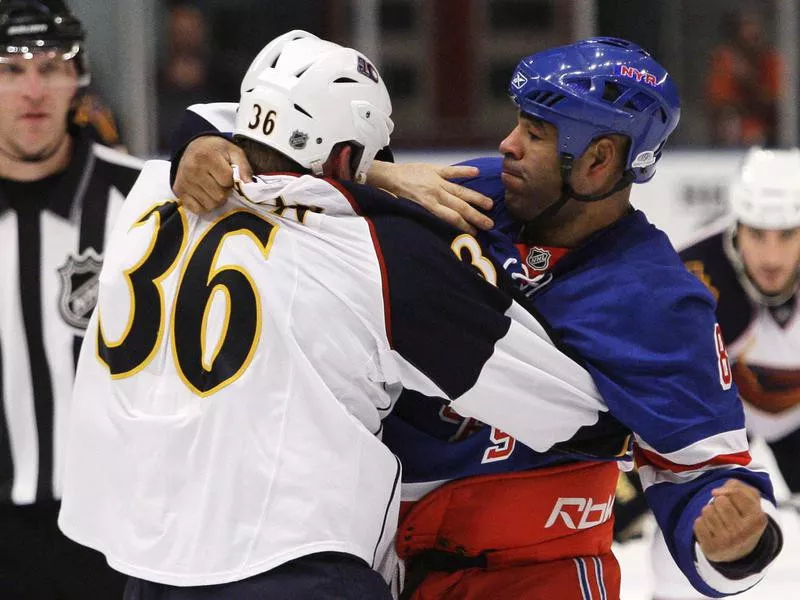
x: 771, y: 256
x: 35, y: 96
x: 531, y: 169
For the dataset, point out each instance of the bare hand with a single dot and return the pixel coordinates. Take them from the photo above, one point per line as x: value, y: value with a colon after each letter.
x: 730, y: 527
x: 204, y: 177
x: 428, y: 186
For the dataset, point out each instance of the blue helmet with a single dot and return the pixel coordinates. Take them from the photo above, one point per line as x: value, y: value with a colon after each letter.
x: 597, y: 87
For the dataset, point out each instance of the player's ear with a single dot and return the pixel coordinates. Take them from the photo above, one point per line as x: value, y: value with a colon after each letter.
x: 603, y: 154
x: 338, y: 163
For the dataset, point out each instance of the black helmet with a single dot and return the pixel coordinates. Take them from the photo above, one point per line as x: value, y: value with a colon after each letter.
x: 28, y: 26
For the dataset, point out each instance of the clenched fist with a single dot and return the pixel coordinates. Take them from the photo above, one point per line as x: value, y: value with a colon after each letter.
x: 730, y: 527
x: 204, y: 177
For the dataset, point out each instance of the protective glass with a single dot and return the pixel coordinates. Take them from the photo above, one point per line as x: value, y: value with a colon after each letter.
x: 55, y: 68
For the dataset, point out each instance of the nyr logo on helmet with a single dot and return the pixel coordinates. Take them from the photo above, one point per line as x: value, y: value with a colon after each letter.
x: 639, y: 76
x: 365, y: 68
x: 519, y: 80
x: 80, y: 282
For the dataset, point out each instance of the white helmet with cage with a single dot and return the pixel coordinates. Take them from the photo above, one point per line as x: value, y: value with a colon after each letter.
x: 766, y: 194
x: 303, y: 95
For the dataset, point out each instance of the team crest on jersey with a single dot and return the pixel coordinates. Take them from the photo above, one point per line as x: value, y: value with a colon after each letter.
x: 538, y: 259
x: 80, y: 282
x: 697, y: 268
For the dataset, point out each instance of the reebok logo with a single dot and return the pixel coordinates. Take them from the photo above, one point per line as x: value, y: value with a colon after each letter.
x: 580, y: 513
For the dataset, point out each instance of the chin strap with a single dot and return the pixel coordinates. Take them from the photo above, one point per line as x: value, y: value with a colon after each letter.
x: 568, y: 193
x: 566, y: 173
x: 316, y: 167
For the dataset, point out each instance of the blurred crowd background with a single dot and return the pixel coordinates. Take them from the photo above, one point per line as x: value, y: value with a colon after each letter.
x: 447, y: 62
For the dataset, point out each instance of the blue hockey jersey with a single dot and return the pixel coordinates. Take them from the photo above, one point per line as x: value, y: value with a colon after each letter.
x: 626, y: 309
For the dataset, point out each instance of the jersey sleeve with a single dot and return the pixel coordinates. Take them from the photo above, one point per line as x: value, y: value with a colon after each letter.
x: 453, y: 335
x: 216, y: 118
x: 666, y: 375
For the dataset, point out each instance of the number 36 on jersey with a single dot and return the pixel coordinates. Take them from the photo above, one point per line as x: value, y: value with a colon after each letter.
x: 202, y: 281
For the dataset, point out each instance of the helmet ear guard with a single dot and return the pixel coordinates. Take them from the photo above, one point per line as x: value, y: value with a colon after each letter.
x: 596, y: 87
x: 302, y: 95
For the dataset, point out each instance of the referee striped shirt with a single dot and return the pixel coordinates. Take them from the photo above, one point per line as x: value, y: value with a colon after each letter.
x: 51, y: 245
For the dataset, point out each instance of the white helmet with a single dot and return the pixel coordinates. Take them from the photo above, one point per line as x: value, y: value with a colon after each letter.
x: 302, y: 95
x: 766, y: 195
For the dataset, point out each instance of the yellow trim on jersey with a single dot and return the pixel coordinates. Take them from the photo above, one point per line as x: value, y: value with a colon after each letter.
x: 697, y: 268
x: 204, y: 327
x: 144, y: 218
x: 265, y: 250
x: 477, y: 259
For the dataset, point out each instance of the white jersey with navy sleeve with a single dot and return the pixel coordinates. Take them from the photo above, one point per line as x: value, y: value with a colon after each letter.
x: 228, y: 405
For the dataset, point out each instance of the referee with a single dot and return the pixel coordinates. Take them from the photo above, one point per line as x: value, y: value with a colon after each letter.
x: 59, y: 193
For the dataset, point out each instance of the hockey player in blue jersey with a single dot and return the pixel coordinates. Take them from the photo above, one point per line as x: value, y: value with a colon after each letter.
x: 489, y: 517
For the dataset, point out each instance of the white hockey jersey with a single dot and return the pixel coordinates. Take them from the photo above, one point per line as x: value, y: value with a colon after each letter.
x: 228, y: 404
x: 763, y: 342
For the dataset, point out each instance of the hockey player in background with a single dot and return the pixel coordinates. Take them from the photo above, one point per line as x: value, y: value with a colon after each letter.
x: 751, y: 265
x: 488, y: 517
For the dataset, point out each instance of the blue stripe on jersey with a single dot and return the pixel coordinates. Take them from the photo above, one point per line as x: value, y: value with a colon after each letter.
x: 598, y: 573
x: 583, y: 579
x: 395, y: 491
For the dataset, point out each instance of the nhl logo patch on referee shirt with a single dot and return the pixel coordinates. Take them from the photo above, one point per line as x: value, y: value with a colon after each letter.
x: 80, y: 282
x: 538, y: 259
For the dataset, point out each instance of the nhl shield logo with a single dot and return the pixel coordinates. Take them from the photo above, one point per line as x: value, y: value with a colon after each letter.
x: 298, y: 140
x: 80, y: 282
x: 538, y: 259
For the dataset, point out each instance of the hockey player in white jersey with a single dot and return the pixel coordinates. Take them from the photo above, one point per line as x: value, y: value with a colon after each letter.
x: 225, y: 434
x: 751, y: 265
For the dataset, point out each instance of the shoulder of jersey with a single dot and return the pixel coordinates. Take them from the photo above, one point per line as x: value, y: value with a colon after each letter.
x: 153, y: 183
x: 115, y: 168
x: 706, y: 260
x: 116, y: 157
x: 488, y: 181
x: 488, y: 165
x: 374, y: 202
x: 219, y: 115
